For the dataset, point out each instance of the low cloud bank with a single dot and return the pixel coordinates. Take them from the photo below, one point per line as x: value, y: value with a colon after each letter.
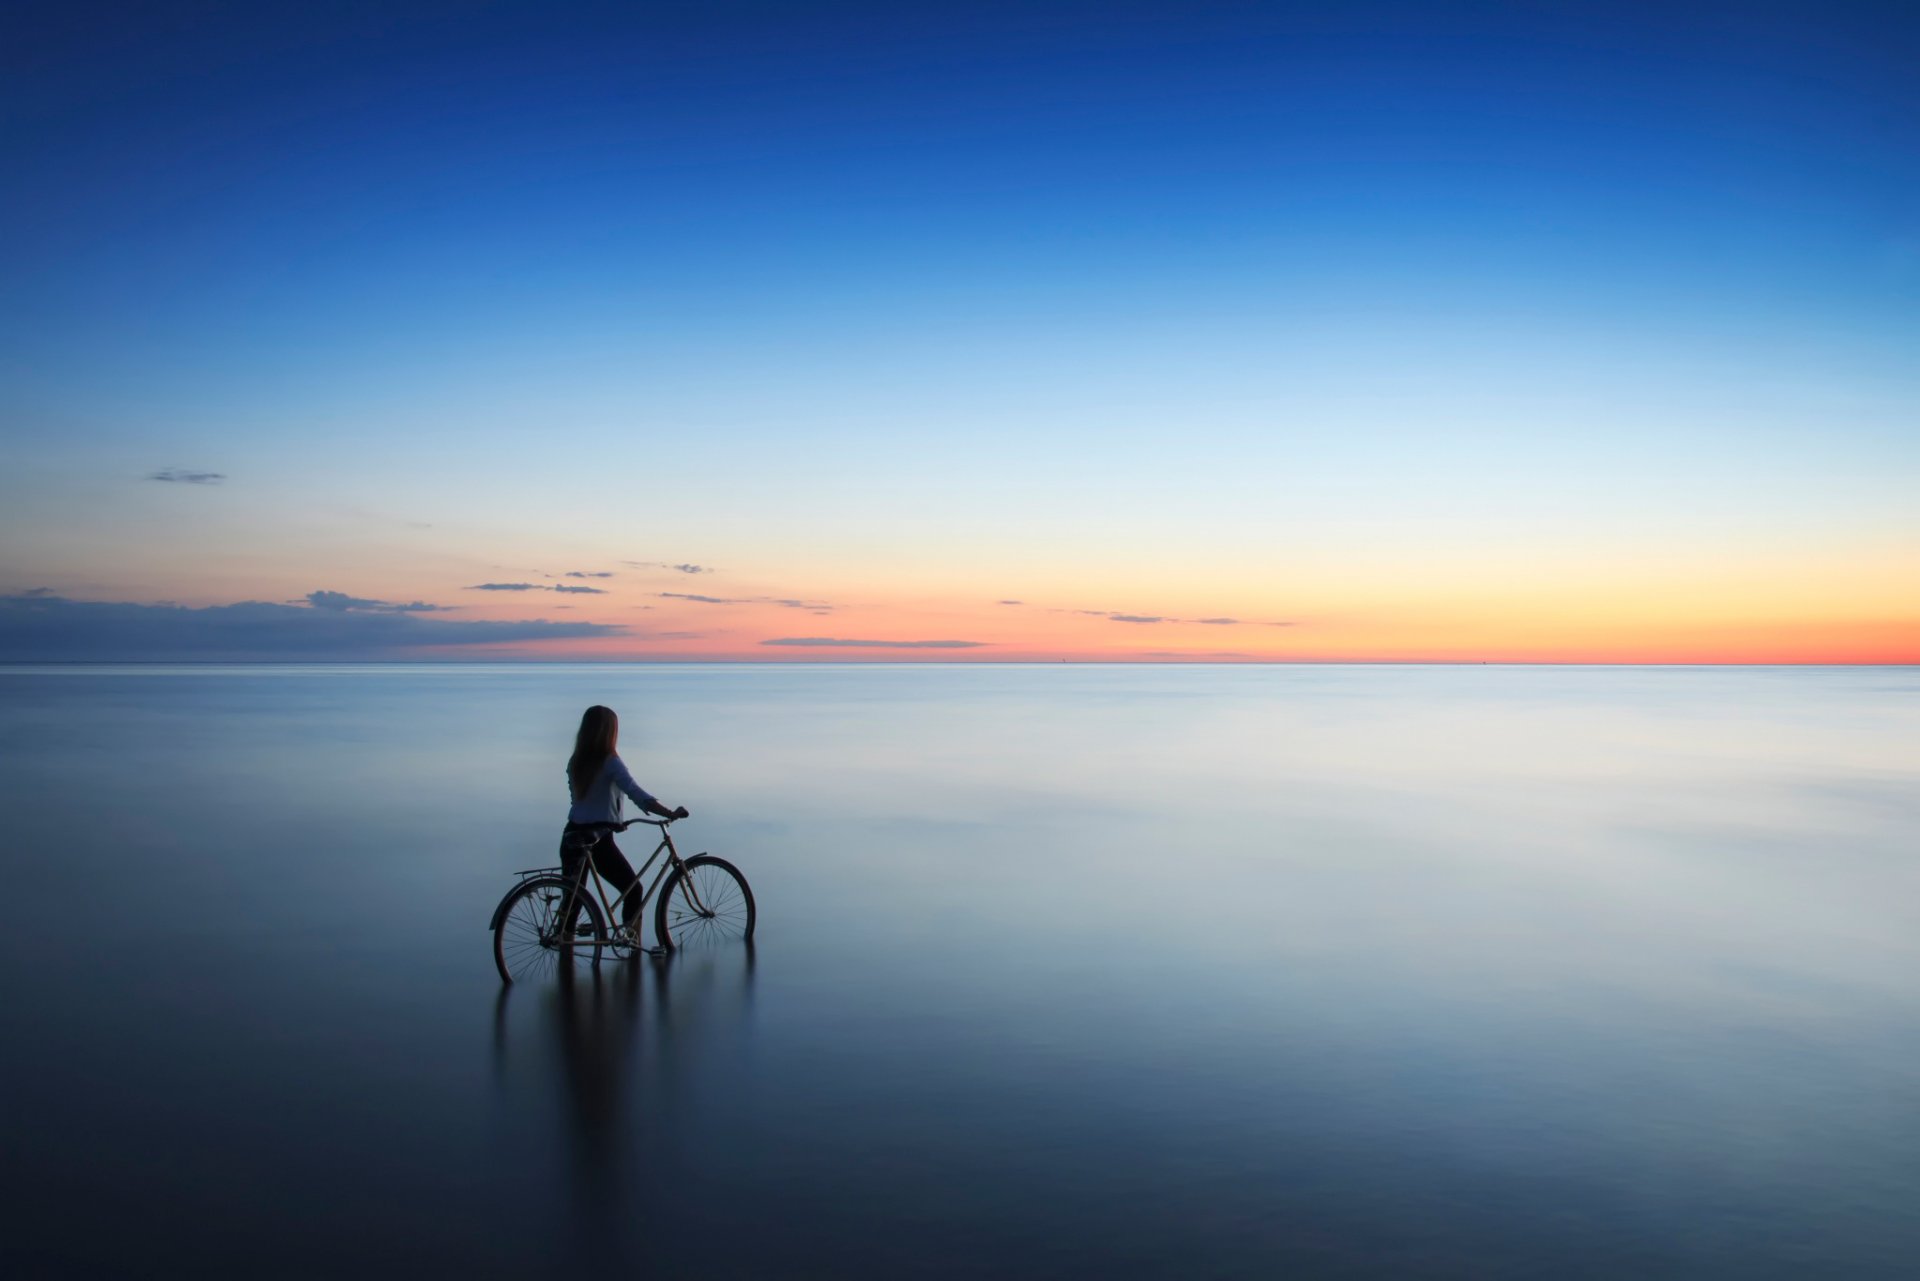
x: 41, y: 627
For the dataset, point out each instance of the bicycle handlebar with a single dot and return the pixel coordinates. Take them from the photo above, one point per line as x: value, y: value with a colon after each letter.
x: 668, y: 821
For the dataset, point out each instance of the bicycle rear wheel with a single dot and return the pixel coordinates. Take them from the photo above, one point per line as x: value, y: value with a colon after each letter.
x: 705, y: 902
x: 531, y: 942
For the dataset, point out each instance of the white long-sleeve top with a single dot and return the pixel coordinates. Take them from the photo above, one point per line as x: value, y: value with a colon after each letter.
x: 601, y: 803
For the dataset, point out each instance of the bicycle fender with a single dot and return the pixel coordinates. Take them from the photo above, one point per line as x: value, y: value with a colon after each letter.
x: 500, y: 912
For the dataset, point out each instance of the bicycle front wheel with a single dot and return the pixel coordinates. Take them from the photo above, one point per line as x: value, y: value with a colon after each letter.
x: 705, y: 902
x: 533, y: 943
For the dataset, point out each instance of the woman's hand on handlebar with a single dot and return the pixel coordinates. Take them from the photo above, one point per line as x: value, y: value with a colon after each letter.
x: 679, y: 813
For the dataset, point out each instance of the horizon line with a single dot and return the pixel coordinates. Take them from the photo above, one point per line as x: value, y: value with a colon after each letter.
x: 16, y: 664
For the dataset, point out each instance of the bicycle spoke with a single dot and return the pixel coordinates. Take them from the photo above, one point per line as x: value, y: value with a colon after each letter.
x: 707, y: 903
x: 546, y: 928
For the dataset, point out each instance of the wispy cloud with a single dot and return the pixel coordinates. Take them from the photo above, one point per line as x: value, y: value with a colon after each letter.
x: 186, y: 476
x: 571, y: 589
x: 838, y: 642
x: 602, y: 573
x: 41, y: 627
x: 1117, y: 617
x: 1120, y: 617
x: 784, y: 602
x: 340, y: 602
x: 683, y: 567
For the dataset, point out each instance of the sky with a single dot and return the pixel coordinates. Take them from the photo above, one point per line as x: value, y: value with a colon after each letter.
x: 1546, y: 332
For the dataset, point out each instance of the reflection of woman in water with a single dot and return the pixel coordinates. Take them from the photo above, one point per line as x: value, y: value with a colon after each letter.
x: 596, y: 776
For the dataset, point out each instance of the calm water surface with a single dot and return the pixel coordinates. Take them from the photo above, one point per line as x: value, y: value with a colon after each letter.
x: 1118, y: 972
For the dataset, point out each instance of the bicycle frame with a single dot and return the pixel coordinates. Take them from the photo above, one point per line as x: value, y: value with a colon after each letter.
x: 666, y: 845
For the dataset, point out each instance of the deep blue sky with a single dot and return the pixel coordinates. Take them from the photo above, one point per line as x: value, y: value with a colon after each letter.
x: 818, y: 253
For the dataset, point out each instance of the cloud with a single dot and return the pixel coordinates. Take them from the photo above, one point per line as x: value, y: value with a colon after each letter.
x: 836, y: 642
x: 185, y: 476
x: 1117, y: 617
x: 48, y: 628
x: 661, y: 564
x: 1013, y: 602
x: 573, y: 589
x: 785, y: 602
x: 601, y: 573
x: 341, y: 602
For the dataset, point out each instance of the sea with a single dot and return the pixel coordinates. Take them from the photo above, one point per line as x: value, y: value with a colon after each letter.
x: 1060, y: 971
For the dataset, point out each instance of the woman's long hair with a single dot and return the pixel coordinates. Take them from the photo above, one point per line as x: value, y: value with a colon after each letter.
x: 599, y: 735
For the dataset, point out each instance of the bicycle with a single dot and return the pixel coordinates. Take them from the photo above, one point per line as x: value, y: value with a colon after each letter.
x: 548, y: 920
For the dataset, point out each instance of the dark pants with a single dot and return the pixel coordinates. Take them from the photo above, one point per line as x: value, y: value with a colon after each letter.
x: 609, y: 862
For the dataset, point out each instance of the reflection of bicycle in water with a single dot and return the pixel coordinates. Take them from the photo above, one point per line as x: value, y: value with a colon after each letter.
x: 549, y: 920
x: 608, y: 1077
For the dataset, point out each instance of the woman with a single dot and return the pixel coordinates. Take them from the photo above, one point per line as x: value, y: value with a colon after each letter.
x: 595, y: 778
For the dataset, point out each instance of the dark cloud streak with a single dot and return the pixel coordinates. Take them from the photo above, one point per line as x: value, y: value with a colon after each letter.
x: 343, y: 603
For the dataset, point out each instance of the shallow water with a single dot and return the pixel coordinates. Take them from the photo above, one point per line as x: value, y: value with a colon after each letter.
x: 1115, y: 971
